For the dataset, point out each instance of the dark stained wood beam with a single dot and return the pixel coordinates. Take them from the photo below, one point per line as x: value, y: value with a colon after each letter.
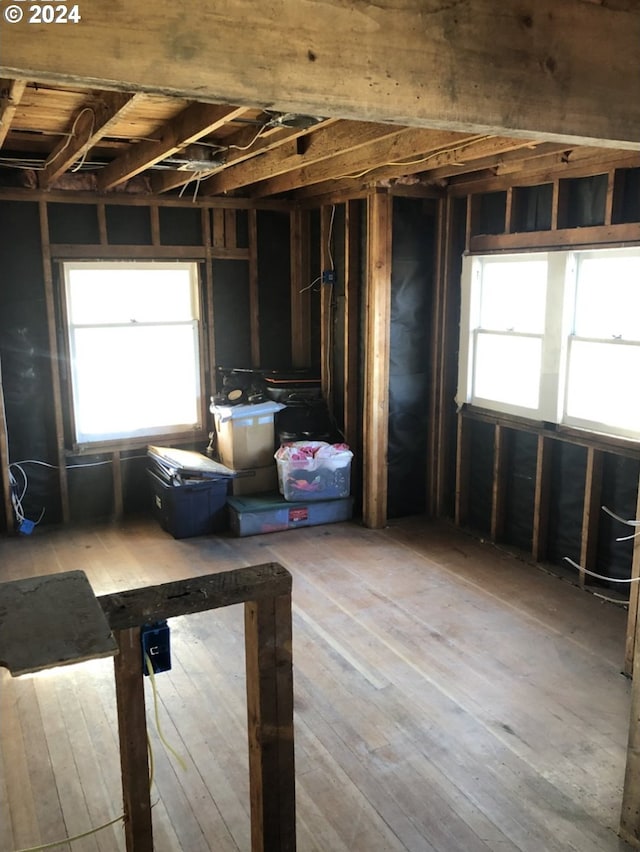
x: 296, y: 154
x: 88, y: 126
x: 11, y: 92
x: 540, y: 69
x: 193, y: 123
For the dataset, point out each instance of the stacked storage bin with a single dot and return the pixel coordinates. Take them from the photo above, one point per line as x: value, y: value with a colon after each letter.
x: 314, y: 480
x: 245, y: 443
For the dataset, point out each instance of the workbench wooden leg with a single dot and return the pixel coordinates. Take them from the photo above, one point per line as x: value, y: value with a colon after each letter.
x: 270, y: 724
x: 132, y: 730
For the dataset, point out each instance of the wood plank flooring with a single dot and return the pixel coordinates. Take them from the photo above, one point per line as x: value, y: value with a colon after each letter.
x: 449, y: 698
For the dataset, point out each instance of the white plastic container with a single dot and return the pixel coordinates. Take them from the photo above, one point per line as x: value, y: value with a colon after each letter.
x: 314, y: 470
x: 245, y: 434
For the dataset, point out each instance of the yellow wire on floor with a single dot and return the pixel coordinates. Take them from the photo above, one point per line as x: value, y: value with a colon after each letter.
x: 68, y: 840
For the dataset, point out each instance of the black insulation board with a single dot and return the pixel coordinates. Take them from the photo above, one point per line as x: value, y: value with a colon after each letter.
x: 180, y: 226
x: 314, y: 275
x: 520, y: 489
x: 481, y: 440
x: 231, y: 313
x: 586, y: 200
x: 411, y: 296
x: 128, y: 225
x: 242, y: 228
x: 566, y: 502
x: 490, y: 213
x: 274, y: 291
x: 533, y: 207
x: 628, y: 210
x: 73, y: 224
x: 24, y: 350
x: 619, y: 494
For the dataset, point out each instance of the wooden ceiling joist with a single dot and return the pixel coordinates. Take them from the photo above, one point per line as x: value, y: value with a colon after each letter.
x: 193, y: 123
x: 323, y: 144
x: 11, y: 92
x: 90, y: 124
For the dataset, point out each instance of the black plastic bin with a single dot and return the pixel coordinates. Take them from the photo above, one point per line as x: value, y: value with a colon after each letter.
x: 190, y: 509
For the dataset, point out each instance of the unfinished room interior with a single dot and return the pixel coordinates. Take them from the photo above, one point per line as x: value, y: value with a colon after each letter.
x: 319, y: 429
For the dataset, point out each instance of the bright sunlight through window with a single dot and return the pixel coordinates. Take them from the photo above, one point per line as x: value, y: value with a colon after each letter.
x: 134, y: 349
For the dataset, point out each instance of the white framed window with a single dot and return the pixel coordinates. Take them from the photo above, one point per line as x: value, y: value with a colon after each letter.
x: 134, y: 345
x: 554, y: 336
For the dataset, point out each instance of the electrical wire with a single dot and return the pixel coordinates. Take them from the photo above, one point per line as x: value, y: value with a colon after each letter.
x: 315, y: 281
x: 629, y: 523
x: 154, y: 690
x: 417, y: 162
x: 71, y: 135
x: 253, y: 141
x: 600, y: 576
x: 68, y: 840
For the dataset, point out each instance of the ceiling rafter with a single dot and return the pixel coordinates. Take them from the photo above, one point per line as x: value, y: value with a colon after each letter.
x: 323, y: 144
x: 11, y: 92
x: 238, y: 148
x: 398, y: 153
x: 91, y: 122
x: 193, y: 123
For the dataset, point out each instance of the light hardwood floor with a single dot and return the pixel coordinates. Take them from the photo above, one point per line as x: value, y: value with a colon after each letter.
x: 449, y: 698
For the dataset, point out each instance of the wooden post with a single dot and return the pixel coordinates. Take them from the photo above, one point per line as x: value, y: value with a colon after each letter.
x: 463, y: 464
x: 499, y: 503
x: 591, y: 511
x: 351, y: 322
x: 270, y: 724
x: 326, y: 296
x: 300, y: 293
x: 634, y: 592
x: 376, y: 391
x: 132, y: 730
x: 541, y: 499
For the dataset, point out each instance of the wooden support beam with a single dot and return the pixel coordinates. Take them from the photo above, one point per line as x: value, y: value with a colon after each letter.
x: 591, y: 512
x: 352, y: 323
x: 634, y: 600
x: 376, y: 381
x: 193, y: 123
x: 463, y: 463
x: 270, y: 724
x: 210, y: 335
x: 630, y: 811
x: 499, y: 491
x: 545, y: 70
x: 132, y: 732
x: 93, y: 121
x: 11, y: 92
x: 541, y: 499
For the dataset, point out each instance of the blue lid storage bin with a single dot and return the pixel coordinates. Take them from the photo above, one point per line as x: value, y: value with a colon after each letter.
x: 190, y: 509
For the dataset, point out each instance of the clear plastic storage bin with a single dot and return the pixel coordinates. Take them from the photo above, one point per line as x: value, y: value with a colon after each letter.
x: 314, y: 470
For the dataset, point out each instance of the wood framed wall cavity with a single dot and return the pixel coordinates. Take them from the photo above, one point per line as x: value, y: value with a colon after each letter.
x: 326, y: 294
x: 501, y: 441
x: 300, y: 292
x: 376, y: 383
x: 5, y: 479
x: 591, y: 513
x: 254, y: 304
x: 208, y: 292
x: 463, y: 467
x: 54, y: 358
x: 541, y: 499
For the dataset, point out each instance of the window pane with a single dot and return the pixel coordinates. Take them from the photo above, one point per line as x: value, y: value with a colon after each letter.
x: 602, y: 384
x: 608, y: 297
x: 507, y: 369
x: 122, y: 294
x: 132, y: 380
x: 513, y: 295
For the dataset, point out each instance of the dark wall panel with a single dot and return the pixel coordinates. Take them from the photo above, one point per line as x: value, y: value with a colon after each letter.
x: 481, y: 438
x: 619, y: 494
x: 521, y: 487
x: 411, y: 295
x: 129, y: 226
x: 566, y: 501
x: 232, y: 327
x: 24, y: 350
x: 180, y: 226
x: 73, y: 223
x: 274, y: 289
